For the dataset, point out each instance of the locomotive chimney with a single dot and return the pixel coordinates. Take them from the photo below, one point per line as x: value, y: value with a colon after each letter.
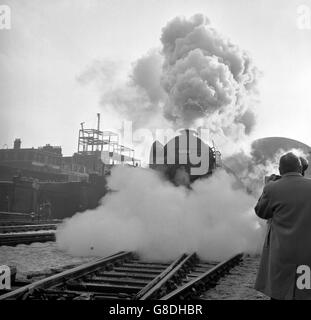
x: 17, y: 143
x: 189, y: 132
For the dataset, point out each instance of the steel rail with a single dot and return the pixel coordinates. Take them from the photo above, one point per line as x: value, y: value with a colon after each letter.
x: 204, y: 282
x: 20, y: 228
x: 165, y: 283
x: 125, y: 276
x: 26, y: 238
x: 157, y: 279
x: 62, y: 277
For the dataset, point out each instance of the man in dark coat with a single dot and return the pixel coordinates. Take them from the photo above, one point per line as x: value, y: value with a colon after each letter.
x: 286, y: 204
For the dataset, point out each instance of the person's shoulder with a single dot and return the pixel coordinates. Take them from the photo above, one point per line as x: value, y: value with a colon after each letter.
x: 269, y: 186
x: 306, y: 185
x: 274, y: 185
x: 296, y: 181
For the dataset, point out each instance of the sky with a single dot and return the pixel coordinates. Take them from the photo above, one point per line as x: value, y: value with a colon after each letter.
x: 51, y: 43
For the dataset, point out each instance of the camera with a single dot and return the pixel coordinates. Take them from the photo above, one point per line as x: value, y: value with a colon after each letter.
x: 272, y: 177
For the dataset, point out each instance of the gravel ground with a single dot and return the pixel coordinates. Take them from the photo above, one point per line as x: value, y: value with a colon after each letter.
x: 239, y: 284
x: 44, y: 257
x: 37, y: 257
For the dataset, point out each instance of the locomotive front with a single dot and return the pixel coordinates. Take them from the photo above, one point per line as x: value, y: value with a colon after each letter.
x: 184, y: 159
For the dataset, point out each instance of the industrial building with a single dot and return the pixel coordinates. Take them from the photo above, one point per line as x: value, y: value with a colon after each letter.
x: 30, y: 177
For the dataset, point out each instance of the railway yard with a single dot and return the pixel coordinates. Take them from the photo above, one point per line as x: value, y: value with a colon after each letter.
x: 43, y: 271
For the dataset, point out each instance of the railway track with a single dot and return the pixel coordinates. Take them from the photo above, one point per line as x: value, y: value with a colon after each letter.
x: 25, y: 238
x: 27, y: 228
x: 13, y: 233
x: 33, y: 223
x: 125, y: 276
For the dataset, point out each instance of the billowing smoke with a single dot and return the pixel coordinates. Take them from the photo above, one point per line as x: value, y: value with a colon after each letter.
x: 161, y: 221
x: 147, y: 74
x: 105, y: 73
x: 134, y: 95
x: 251, y: 169
x: 139, y: 99
x: 208, y: 79
x: 197, y: 78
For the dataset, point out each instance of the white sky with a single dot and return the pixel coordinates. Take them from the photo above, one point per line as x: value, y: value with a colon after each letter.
x: 52, y: 42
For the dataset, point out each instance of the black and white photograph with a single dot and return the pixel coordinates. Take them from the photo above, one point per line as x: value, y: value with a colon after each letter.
x: 155, y: 150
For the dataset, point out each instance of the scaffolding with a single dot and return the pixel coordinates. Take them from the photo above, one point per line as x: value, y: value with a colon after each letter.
x: 217, y: 156
x: 105, y: 143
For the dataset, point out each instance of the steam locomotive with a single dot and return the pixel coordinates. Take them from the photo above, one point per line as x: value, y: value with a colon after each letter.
x: 185, y: 158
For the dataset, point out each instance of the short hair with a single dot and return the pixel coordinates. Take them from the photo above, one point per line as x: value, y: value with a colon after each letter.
x: 304, y: 164
x: 289, y: 162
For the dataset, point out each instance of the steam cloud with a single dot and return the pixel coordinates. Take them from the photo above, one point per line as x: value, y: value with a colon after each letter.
x: 135, y: 94
x: 161, y: 221
x: 204, y: 74
x: 198, y: 77
x: 251, y: 168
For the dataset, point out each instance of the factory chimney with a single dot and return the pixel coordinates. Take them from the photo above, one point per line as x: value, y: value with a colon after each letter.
x: 17, y: 143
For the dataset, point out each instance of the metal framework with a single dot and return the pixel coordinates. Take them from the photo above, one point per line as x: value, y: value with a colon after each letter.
x: 106, y: 142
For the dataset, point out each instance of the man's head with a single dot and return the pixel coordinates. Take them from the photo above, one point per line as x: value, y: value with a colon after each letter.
x: 289, y: 162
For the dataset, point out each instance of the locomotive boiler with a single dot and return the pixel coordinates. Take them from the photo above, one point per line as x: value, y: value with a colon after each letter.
x: 184, y: 159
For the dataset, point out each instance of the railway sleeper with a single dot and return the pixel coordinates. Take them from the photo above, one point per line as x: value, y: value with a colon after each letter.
x: 138, y: 270
x: 125, y: 281
x: 105, y: 288
x: 139, y: 265
x: 69, y: 294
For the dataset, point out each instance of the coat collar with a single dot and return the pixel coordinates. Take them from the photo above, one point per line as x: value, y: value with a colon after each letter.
x: 289, y: 174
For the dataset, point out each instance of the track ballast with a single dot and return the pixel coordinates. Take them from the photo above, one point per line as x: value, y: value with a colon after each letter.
x: 127, y: 277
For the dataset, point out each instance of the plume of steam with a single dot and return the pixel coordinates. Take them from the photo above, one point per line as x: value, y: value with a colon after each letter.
x: 207, y: 78
x: 252, y: 168
x: 197, y: 78
x: 135, y: 94
x: 146, y: 74
x: 139, y: 98
x: 160, y: 221
x: 104, y: 73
